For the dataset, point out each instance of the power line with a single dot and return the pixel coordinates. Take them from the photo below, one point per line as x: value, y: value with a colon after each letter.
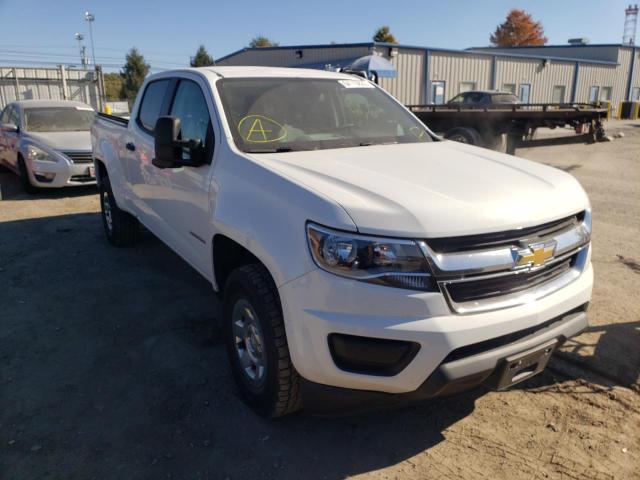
x: 120, y: 50
x: 67, y: 57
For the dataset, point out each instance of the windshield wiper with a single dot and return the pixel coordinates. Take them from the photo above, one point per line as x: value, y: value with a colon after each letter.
x: 272, y: 150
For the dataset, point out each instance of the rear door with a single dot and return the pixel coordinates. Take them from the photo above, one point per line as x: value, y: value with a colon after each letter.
x: 138, y: 150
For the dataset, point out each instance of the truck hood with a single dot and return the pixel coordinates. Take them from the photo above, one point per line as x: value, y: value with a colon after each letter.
x: 61, y: 140
x: 433, y: 189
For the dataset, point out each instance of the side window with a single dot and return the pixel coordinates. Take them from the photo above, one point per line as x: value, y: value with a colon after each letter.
x: 152, y: 104
x: 190, y: 106
x: 13, y: 117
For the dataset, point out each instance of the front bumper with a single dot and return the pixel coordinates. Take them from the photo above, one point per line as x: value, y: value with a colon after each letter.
x: 67, y: 174
x: 319, y: 304
x: 449, y: 378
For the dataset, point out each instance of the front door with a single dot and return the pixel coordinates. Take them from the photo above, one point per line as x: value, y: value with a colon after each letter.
x: 437, y: 92
x: 10, y: 140
x: 525, y: 91
x: 180, y: 196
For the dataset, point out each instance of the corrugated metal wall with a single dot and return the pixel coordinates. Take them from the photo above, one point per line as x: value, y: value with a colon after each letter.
x: 542, y: 78
x: 456, y: 68
x: 18, y: 83
x: 286, y: 57
x: 408, y: 84
x: 635, y: 81
x: 616, y: 77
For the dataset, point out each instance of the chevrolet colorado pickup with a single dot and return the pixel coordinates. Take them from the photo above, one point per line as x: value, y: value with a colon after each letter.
x: 361, y: 259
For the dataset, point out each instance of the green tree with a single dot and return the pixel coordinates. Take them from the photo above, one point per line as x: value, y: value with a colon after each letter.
x: 518, y: 30
x: 133, y: 73
x: 112, y: 86
x: 202, y: 58
x: 261, y: 41
x: 384, y: 35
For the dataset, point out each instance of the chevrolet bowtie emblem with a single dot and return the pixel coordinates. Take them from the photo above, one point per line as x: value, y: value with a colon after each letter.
x: 536, y: 255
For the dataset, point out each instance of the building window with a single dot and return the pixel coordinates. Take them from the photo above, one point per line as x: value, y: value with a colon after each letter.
x: 509, y: 88
x: 635, y: 94
x: 467, y: 86
x: 525, y: 93
x: 605, y: 94
x: 559, y: 94
x: 594, y: 94
x: 438, y: 91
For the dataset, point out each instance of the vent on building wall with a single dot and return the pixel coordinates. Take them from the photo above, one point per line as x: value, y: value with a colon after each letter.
x: 578, y: 41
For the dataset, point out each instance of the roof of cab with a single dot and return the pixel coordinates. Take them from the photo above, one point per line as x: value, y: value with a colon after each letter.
x: 50, y: 103
x: 244, y: 72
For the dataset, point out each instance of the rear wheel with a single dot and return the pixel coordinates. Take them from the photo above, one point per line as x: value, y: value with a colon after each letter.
x: 25, y: 181
x: 121, y: 227
x: 257, y: 344
x: 464, y: 135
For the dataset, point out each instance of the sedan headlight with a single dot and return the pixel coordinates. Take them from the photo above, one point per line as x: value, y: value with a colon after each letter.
x: 384, y: 261
x: 35, y: 153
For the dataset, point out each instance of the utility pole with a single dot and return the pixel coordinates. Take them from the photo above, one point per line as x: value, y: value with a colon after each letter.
x: 90, y: 17
x: 83, y: 50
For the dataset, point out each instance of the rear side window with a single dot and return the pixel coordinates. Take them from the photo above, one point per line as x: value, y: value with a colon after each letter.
x: 152, y: 104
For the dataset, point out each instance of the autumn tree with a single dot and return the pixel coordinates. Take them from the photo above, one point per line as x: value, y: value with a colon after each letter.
x: 261, y: 41
x: 201, y: 58
x: 384, y: 35
x: 133, y: 73
x: 518, y: 30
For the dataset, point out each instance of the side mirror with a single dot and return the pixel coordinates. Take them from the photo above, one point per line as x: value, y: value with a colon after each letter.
x: 171, y: 151
x: 9, y: 128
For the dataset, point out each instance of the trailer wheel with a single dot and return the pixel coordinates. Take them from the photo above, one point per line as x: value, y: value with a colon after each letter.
x: 464, y: 135
x: 496, y: 141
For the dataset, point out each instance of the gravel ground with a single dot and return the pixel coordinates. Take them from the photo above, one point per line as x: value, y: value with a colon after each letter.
x: 111, y: 365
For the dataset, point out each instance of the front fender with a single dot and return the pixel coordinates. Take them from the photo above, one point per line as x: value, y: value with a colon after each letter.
x: 266, y: 213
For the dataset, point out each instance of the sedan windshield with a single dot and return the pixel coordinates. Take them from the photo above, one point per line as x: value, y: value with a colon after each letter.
x: 269, y: 115
x: 58, y: 119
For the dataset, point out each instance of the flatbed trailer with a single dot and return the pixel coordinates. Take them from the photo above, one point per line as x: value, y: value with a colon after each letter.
x: 505, y: 126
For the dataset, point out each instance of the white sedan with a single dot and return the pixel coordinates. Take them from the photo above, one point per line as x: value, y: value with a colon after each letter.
x: 47, y: 143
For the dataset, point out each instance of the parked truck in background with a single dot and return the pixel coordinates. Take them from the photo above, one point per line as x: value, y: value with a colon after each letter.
x: 361, y: 259
x: 497, y: 121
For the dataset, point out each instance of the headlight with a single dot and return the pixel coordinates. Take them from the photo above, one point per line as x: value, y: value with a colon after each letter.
x: 385, y: 261
x: 35, y: 153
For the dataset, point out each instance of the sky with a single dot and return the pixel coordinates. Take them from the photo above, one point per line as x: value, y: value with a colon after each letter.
x: 167, y: 33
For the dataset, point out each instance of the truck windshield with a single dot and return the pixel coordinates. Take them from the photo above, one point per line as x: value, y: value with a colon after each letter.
x: 58, y: 119
x: 268, y: 115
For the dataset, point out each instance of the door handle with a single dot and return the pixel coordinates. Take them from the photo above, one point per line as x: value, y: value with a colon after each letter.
x: 130, y: 146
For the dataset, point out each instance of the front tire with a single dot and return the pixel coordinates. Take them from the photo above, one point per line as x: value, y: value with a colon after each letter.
x: 257, y: 343
x: 25, y: 181
x: 121, y: 227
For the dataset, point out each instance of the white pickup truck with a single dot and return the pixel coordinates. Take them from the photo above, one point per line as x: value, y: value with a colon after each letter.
x: 362, y: 259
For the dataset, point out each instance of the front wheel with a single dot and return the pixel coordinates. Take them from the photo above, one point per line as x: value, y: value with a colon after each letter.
x: 257, y: 344
x: 120, y: 227
x: 25, y: 181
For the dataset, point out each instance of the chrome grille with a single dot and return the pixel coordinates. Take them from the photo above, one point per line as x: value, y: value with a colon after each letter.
x: 498, y: 270
x: 79, y: 157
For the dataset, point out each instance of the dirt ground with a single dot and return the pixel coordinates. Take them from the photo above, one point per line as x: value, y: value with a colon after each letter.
x: 111, y: 365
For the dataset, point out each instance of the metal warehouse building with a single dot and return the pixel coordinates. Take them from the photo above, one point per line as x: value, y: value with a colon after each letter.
x: 571, y: 73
